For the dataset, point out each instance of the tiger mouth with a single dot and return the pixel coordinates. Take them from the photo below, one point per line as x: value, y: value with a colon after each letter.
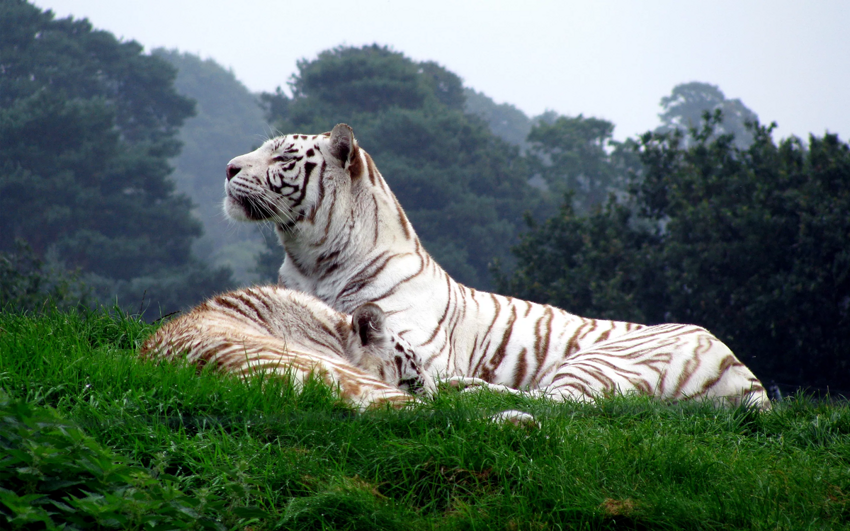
x: 255, y: 209
x: 413, y: 386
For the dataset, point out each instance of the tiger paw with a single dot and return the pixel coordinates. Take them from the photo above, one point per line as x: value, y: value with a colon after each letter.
x: 517, y: 418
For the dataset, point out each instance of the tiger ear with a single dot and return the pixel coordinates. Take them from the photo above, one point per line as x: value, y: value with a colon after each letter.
x: 343, y: 144
x: 369, y: 324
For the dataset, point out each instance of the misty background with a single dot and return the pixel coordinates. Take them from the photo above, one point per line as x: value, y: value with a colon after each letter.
x: 613, y: 59
x: 113, y: 155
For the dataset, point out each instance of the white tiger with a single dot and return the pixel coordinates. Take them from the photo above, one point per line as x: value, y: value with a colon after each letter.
x: 348, y: 242
x: 275, y: 330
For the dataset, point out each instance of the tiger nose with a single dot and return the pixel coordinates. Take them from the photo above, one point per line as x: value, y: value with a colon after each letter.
x: 232, y: 170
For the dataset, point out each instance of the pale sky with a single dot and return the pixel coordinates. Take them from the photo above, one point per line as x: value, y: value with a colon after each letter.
x: 789, y: 61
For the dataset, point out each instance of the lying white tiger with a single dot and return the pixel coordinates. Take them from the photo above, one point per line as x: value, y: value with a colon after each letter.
x: 348, y: 242
x: 272, y: 329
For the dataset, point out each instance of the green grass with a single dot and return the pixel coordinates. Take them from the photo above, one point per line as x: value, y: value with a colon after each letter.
x: 209, y: 451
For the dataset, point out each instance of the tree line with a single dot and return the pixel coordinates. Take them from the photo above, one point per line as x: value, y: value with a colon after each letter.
x: 87, y: 127
x: 752, y: 243
x: 706, y: 220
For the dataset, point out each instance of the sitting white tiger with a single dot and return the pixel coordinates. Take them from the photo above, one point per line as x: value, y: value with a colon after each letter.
x: 272, y: 329
x: 348, y: 242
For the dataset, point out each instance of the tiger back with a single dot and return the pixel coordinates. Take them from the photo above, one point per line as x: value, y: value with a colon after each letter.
x: 278, y: 331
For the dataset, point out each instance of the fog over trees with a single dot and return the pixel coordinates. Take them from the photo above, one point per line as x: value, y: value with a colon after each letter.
x: 684, y: 107
x: 464, y: 188
x: 113, y: 169
x: 228, y: 121
x: 87, y: 126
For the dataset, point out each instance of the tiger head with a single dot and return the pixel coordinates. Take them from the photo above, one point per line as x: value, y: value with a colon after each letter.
x: 329, y: 205
x: 383, y: 353
x: 287, y: 179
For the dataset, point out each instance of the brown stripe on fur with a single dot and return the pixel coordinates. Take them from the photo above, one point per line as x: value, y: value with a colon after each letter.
x: 308, y: 170
x: 572, y: 344
x: 327, y: 227
x: 600, y: 360
x: 249, y: 303
x: 485, y: 348
x: 320, y: 198
x: 688, y: 370
x: 365, y: 275
x: 377, y: 222
x: 260, y: 298
x: 232, y: 307
x: 442, y: 317
x: 520, y: 369
x: 606, y: 381
x: 355, y: 167
x: 593, y: 324
x: 402, y: 219
x: 543, y: 331
x: 371, y: 169
x: 499, y: 355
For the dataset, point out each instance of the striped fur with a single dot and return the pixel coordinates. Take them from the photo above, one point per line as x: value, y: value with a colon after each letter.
x: 670, y: 362
x: 348, y: 242
x: 275, y: 330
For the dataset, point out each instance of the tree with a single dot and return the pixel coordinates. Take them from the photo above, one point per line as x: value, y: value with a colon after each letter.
x: 577, y: 155
x: 504, y: 120
x: 464, y: 188
x: 752, y: 244
x: 755, y: 245
x: 684, y: 107
x: 29, y: 284
x: 87, y: 124
x: 354, y: 83
x: 596, y: 265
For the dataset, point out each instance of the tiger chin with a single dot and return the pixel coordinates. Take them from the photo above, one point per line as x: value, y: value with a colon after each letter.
x: 348, y: 242
x: 274, y: 330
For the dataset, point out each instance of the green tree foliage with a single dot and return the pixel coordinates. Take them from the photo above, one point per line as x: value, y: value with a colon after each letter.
x: 29, y: 284
x: 505, y: 121
x: 355, y: 82
x: 684, y: 107
x: 87, y: 124
x: 464, y: 188
x: 575, y: 155
x: 579, y: 156
x: 594, y: 265
x: 752, y: 244
x: 229, y: 121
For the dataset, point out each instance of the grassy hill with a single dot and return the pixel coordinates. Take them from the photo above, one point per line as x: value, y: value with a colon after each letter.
x: 92, y: 437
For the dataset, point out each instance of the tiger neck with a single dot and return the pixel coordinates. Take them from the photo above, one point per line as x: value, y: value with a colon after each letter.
x: 355, y: 248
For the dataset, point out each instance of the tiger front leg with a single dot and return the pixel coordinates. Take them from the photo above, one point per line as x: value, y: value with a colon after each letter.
x: 468, y: 383
x: 513, y: 417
